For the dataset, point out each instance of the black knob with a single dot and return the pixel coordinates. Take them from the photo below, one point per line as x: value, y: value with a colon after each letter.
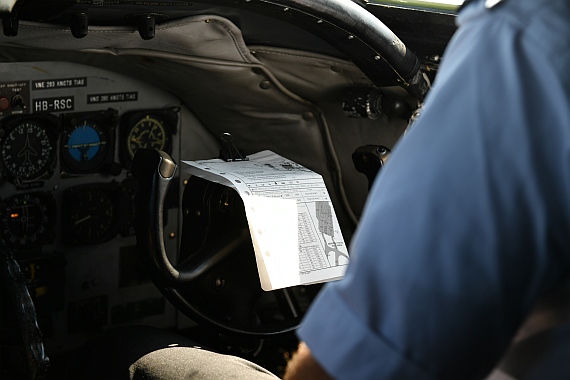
x: 79, y: 24
x: 10, y: 24
x: 146, y: 26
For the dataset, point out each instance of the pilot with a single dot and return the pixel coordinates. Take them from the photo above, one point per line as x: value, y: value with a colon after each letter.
x: 466, y: 232
x: 467, y: 229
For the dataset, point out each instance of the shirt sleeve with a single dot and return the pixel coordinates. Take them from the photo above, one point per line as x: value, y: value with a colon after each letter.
x: 468, y: 222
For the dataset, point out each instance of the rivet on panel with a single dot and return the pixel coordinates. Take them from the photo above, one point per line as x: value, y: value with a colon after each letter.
x: 265, y: 85
x: 219, y: 283
x: 308, y: 116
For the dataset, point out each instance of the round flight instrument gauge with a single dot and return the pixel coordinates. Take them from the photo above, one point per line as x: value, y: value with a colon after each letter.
x: 151, y: 129
x: 87, y: 145
x: 147, y: 133
x: 89, y: 214
x: 28, y: 147
x: 27, y: 220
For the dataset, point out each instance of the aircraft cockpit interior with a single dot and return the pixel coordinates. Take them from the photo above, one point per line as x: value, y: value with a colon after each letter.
x: 99, y: 99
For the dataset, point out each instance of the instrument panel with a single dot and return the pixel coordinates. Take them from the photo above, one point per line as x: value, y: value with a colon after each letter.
x: 68, y: 134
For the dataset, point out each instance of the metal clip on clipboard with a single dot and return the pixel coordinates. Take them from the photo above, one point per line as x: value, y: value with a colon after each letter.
x: 230, y: 152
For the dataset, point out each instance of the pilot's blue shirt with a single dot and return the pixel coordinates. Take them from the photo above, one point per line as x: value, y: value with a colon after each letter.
x: 469, y: 222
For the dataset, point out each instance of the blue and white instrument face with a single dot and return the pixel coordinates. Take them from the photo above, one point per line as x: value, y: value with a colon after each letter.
x: 85, y: 142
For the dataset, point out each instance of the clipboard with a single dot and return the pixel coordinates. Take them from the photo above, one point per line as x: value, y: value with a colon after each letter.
x: 294, y: 230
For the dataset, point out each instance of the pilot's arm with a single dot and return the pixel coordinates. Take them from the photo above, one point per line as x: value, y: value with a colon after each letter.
x: 304, y: 366
x: 468, y: 222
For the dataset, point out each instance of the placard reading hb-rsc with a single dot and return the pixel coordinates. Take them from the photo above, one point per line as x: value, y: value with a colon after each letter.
x: 62, y: 103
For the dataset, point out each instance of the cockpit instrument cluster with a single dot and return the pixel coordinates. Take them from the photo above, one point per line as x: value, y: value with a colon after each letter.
x: 68, y: 134
x: 74, y: 131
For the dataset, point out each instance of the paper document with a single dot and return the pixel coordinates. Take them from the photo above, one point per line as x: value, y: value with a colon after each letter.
x: 294, y: 229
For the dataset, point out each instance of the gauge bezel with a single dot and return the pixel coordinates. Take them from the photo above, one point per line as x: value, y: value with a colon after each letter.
x: 31, y: 240
x: 104, y: 124
x: 167, y: 117
x: 48, y: 123
x: 72, y: 211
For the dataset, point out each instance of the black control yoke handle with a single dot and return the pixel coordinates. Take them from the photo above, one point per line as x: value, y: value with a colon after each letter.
x: 155, y: 171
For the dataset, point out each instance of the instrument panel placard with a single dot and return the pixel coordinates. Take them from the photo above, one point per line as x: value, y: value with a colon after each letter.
x: 57, y: 104
x: 51, y: 84
x: 131, y: 96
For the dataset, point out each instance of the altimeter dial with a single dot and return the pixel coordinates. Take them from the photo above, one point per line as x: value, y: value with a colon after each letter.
x: 90, y: 214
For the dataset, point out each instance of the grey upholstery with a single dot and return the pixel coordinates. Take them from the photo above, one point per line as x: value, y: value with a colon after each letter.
x: 142, y: 352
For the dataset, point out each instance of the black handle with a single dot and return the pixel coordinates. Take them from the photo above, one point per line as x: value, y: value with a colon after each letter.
x: 154, y: 171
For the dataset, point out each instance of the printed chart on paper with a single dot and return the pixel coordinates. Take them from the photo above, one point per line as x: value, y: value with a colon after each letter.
x: 323, y: 254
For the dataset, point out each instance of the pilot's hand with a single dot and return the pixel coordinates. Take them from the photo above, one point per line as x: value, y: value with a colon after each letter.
x: 303, y: 366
